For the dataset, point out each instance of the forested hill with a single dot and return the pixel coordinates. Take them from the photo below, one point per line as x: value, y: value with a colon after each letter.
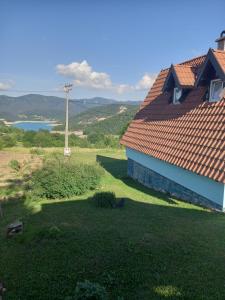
x: 110, y: 119
x: 39, y: 107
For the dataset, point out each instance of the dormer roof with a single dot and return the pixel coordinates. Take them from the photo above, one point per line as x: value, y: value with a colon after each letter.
x: 216, y: 59
x: 183, y: 76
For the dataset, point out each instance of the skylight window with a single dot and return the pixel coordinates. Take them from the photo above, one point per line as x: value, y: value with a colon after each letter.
x: 177, y: 93
x: 216, y: 90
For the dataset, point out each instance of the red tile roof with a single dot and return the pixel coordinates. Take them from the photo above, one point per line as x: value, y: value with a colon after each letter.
x: 185, y: 75
x: 190, y: 135
x: 220, y: 57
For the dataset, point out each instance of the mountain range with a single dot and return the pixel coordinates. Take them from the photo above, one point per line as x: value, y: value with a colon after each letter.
x: 40, y: 107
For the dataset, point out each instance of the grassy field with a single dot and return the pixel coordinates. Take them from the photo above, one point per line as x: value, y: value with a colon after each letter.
x: 153, y: 248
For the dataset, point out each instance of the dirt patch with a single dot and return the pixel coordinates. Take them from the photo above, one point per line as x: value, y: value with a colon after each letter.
x: 122, y: 109
x: 7, y: 174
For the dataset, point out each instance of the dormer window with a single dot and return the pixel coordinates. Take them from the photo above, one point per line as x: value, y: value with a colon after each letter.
x: 216, y: 88
x: 179, y: 81
x: 177, y: 93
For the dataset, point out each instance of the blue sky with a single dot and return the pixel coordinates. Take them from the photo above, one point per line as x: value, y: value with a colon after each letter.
x: 106, y: 48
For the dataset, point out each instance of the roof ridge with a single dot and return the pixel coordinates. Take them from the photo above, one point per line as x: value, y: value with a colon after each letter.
x: 180, y: 65
x: 194, y: 58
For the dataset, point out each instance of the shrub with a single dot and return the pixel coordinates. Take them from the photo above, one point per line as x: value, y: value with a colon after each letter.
x: 63, y: 178
x: 1, y: 144
x: 79, y: 142
x: 28, y: 138
x: 100, y: 140
x: 89, y: 291
x: 15, y: 165
x: 9, y: 140
x: 105, y: 199
x: 95, y: 138
x: 43, y: 138
x: 37, y: 151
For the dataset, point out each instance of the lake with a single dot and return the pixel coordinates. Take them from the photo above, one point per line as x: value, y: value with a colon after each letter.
x: 35, y: 126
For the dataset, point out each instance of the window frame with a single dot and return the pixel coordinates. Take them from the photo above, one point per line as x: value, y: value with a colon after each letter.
x: 175, y: 101
x: 211, y: 89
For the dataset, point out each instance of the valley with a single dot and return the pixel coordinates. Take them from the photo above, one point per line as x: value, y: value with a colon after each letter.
x: 34, y: 112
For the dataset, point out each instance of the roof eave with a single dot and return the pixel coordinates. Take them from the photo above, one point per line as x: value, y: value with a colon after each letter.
x: 185, y: 86
x: 211, y: 57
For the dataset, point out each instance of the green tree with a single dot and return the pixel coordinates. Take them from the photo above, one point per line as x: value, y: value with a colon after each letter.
x: 43, y: 139
x: 9, y: 140
x: 28, y: 138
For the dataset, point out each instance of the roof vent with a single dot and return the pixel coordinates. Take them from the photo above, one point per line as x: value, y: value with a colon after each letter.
x: 221, y: 41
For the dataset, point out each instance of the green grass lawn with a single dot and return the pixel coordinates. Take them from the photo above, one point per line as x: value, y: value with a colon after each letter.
x: 153, y: 248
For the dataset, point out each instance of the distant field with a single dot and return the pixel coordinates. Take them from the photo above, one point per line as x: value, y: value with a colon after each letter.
x: 153, y: 248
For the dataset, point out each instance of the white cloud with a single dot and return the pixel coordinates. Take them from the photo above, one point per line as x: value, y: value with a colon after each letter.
x: 83, y: 75
x: 123, y: 88
x: 146, y: 82
x: 4, y: 86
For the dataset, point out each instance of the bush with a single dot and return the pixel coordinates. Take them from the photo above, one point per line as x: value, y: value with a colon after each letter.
x: 89, y: 291
x: 99, y: 140
x: 63, y: 178
x: 105, y: 199
x: 1, y: 144
x: 37, y: 151
x: 95, y: 138
x: 9, y: 140
x: 15, y: 165
x: 28, y: 138
x: 79, y: 142
x: 42, y: 138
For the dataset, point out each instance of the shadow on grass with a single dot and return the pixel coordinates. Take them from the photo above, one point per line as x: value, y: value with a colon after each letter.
x: 13, y: 183
x: 142, y: 251
x: 118, y: 169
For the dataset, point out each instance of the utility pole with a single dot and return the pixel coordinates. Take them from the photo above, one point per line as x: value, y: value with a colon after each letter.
x: 67, y: 89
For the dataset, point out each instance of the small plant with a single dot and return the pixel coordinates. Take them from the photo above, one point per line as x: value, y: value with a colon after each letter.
x: 89, y: 291
x: 15, y: 165
x: 37, y: 151
x: 105, y: 199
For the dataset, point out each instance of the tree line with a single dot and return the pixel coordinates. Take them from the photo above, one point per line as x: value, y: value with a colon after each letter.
x: 11, y: 136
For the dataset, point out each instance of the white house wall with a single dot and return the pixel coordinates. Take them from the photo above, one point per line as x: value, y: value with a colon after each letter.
x: 210, y: 189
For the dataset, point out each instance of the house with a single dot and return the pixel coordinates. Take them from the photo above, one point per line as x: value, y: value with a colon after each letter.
x: 176, y: 141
